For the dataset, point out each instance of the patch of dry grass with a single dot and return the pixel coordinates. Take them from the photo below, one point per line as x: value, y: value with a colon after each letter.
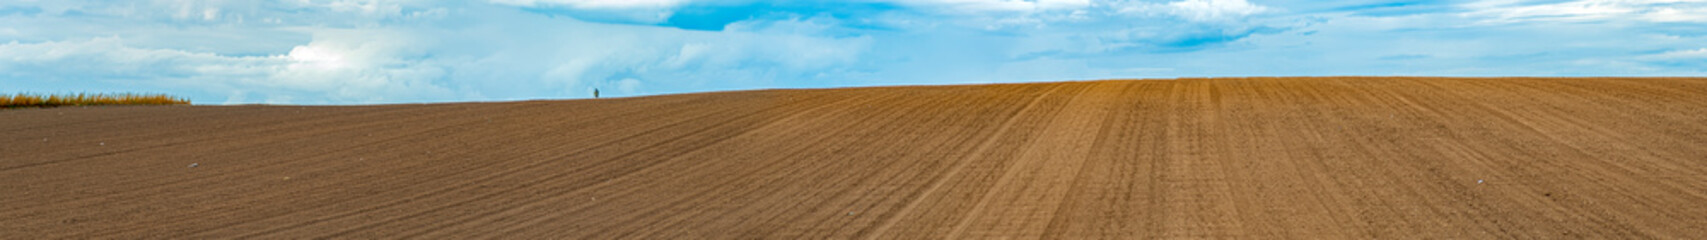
x: 22, y: 100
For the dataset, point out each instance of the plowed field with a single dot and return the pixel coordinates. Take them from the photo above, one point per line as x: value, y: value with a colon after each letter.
x: 1310, y: 158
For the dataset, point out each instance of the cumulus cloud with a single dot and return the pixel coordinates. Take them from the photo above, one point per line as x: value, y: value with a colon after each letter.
x: 368, y: 66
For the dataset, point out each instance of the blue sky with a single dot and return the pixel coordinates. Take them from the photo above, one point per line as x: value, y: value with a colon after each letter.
x: 397, y: 51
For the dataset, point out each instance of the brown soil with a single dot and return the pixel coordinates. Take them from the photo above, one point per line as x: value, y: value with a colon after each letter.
x: 1360, y: 158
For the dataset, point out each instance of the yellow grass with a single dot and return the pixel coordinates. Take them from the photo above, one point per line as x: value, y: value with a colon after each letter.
x: 84, y: 99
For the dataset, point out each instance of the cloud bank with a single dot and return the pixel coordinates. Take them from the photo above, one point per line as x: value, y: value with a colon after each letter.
x: 394, y: 51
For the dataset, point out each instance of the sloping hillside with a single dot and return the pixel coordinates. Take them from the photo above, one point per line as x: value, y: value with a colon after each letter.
x: 1358, y: 158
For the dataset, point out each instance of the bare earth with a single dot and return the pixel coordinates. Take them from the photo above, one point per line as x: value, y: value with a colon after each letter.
x: 1358, y: 158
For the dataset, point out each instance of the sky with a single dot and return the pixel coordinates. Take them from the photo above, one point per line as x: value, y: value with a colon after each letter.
x: 414, y: 51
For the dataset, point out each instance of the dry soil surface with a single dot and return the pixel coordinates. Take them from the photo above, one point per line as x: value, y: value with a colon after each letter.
x: 1309, y: 158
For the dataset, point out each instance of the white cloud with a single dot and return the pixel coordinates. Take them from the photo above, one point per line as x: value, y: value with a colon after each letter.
x: 339, y: 71
x: 1680, y: 54
x: 364, y: 7
x: 1000, y: 15
x: 984, y: 6
x: 1213, y: 10
x: 596, y: 4
x: 1507, y: 11
x: 110, y: 56
x: 1676, y: 14
x: 617, y: 11
x: 1198, y: 10
x: 365, y: 65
